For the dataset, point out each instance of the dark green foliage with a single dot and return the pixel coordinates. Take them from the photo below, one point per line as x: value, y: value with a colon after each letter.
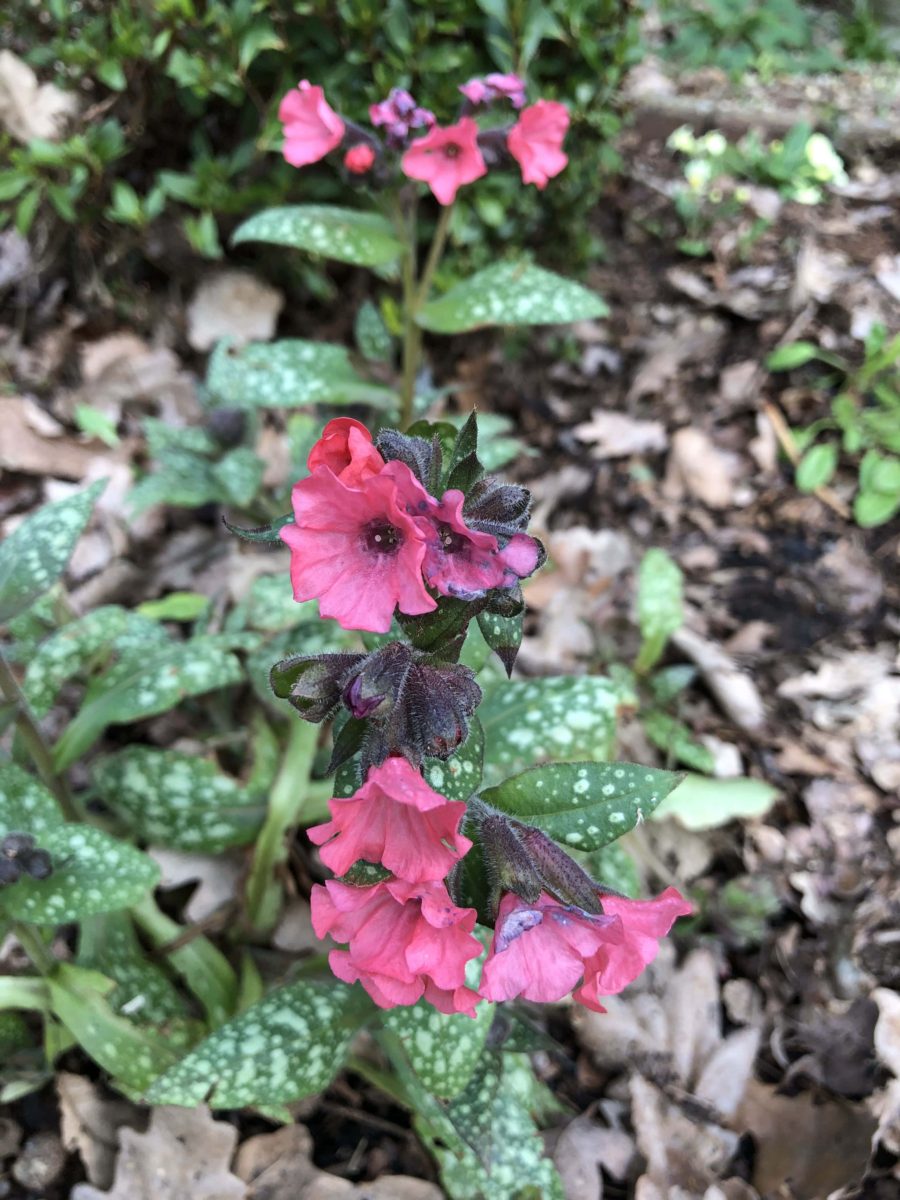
x: 206, y: 80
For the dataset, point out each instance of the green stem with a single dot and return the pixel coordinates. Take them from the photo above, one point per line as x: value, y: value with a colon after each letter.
x: 288, y: 797
x: 31, y: 735
x: 33, y: 945
x: 24, y: 992
x: 435, y: 253
x: 412, y: 334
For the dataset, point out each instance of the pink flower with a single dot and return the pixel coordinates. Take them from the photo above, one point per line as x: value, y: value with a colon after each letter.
x: 359, y: 158
x: 399, y: 114
x: 404, y: 940
x: 397, y: 820
x: 644, y: 922
x: 541, y: 951
x: 311, y: 126
x: 464, y: 562
x: 345, y: 447
x: 495, y: 87
x: 446, y: 159
x: 535, y: 141
x: 356, y: 549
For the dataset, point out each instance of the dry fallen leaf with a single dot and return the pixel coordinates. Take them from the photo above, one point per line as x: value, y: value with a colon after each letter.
x: 29, y: 109
x: 733, y: 688
x: 184, y: 1155
x: 90, y: 1123
x: 232, y: 304
x: 217, y: 876
x: 615, y: 435
x: 698, y: 467
x: 34, y: 442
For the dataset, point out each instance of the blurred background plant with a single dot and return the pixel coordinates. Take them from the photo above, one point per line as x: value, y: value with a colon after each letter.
x: 178, y: 100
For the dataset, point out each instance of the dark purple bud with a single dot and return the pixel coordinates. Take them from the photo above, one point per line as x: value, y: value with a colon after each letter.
x: 560, y: 874
x: 497, y: 508
x: 314, y: 684
x: 15, y: 844
x: 10, y: 871
x: 38, y: 864
x: 360, y: 706
x: 421, y: 456
x: 508, y: 866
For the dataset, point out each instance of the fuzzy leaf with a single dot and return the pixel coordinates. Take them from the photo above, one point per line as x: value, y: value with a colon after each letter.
x: 549, y: 719
x: 92, y: 873
x: 269, y: 534
x: 25, y: 804
x: 289, y: 374
x: 289, y: 1045
x: 35, y: 554
x: 145, y: 684
x: 177, y: 800
x: 346, y: 234
x: 583, y: 805
x: 511, y: 294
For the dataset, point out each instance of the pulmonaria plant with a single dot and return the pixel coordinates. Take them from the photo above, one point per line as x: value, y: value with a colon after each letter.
x: 404, y: 535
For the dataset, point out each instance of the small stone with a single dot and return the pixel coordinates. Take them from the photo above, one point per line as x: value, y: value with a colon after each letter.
x: 41, y: 1162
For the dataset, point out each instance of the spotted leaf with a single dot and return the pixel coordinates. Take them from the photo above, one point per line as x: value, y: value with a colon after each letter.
x: 511, y: 294
x: 583, y: 805
x: 346, y: 234
x: 92, y: 873
x: 287, y: 1046
x: 178, y: 800
x: 25, y: 804
x: 35, y: 554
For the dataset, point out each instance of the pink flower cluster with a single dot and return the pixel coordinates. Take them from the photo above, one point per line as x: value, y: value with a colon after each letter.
x: 447, y: 157
x: 406, y: 938
x: 368, y: 539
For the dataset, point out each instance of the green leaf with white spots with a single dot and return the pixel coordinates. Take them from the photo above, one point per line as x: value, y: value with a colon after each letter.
x: 25, y: 804
x: 80, y: 643
x: 289, y: 1045
x: 178, y: 800
x: 132, y: 1055
x: 660, y: 605
x: 143, y: 993
x: 583, y: 805
x: 444, y: 1049
x: 550, y: 719
x: 147, y: 683
x: 511, y: 294
x: 372, y: 337
x: 503, y: 635
x: 92, y: 873
x: 346, y: 234
x: 498, y: 1151
x: 35, y: 554
x: 289, y: 374
x: 458, y: 776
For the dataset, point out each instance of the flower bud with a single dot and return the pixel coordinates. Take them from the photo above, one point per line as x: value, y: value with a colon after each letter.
x: 559, y: 873
x: 507, y: 863
x: 314, y: 684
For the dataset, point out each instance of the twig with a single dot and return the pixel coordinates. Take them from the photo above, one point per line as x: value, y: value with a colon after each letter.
x: 789, y: 446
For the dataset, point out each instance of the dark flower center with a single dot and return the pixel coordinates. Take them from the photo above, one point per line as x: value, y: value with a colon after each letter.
x: 451, y: 150
x: 451, y: 541
x: 380, y: 537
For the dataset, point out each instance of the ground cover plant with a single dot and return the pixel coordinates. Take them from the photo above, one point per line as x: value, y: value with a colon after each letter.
x: 323, y: 578
x: 452, y: 892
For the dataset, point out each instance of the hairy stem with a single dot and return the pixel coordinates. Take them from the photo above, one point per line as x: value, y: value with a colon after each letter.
x: 33, y: 738
x: 412, y: 334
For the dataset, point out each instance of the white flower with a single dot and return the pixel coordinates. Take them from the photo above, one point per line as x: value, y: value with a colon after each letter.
x: 682, y: 139
x: 806, y: 193
x: 698, y: 173
x: 714, y: 143
x: 826, y: 163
